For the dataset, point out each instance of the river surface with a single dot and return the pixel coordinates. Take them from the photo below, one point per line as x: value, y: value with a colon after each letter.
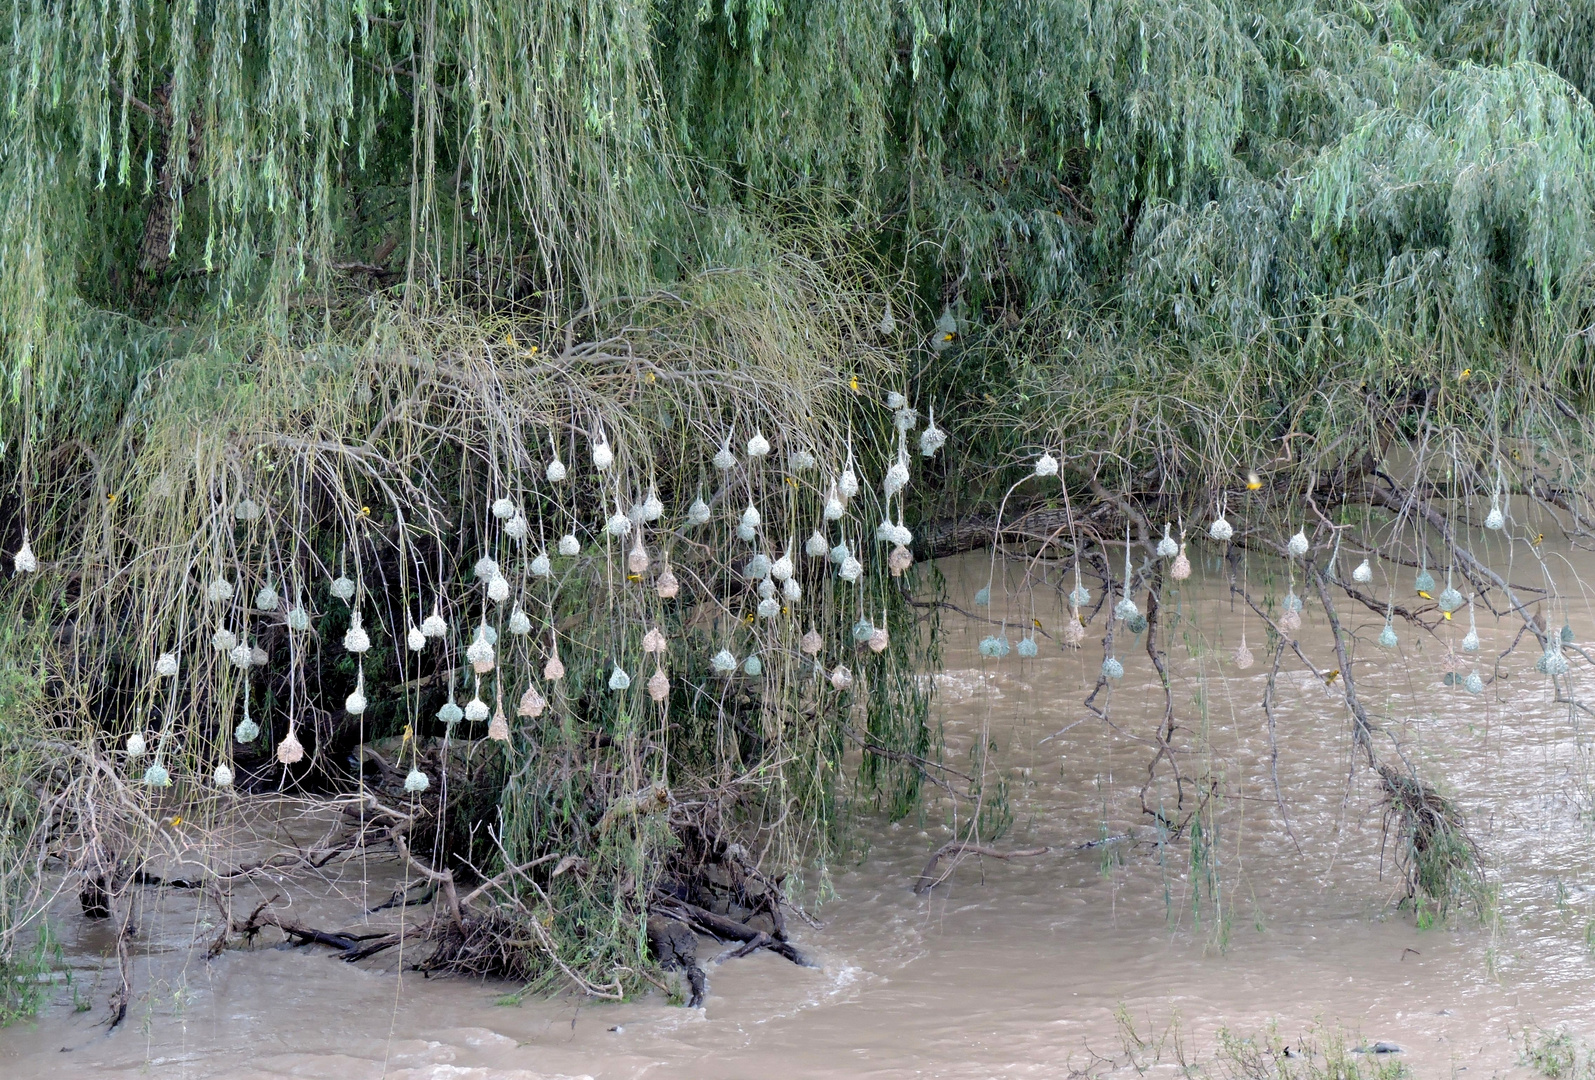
x: 1014, y: 968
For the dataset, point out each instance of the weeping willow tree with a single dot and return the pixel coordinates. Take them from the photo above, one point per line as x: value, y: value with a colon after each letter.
x: 298, y: 256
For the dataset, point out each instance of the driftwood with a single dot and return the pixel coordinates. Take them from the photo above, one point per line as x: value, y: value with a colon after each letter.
x: 960, y: 848
x: 725, y: 929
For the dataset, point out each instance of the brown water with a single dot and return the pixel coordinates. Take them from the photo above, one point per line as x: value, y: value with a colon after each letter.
x: 1009, y: 968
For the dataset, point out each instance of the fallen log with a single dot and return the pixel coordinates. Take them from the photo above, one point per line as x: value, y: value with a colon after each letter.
x: 718, y: 926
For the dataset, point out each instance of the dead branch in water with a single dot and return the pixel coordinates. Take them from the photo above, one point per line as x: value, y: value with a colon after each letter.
x: 957, y: 850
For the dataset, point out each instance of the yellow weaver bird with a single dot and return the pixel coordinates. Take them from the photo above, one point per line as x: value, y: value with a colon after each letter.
x: 1425, y: 595
x: 1253, y: 482
x: 1329, y: 678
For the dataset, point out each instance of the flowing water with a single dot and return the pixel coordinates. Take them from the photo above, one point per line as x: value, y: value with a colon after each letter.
x: 1009, y: 968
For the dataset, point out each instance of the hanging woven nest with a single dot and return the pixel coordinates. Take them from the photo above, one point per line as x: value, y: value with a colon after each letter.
x: 520, y: 623
x: 811, y: 643
x: 932, y: 438
x: 658, y: 685
x: 847, y: 484
x: 1027, y: 648
x: 1168, y: 547
x: 1180, y: 569
x: 499, y: 729
x: 157, y: 776
x: 554, y: 670
x: 219, y: 591
x: 555, y: 470
x: 1221, y: 530
x: 289, y: 751
x: 1046, y: 465
x: 517, y: 528
x: 1073, y: 630
x: 816, y: 546
x: 637, y: 558
x: 652, y: 507
x: 531, y: 704
x: 267, y: 599
x: 603, y: 454
x: 1387, y: 636
x: 342, y: 587
x: 136, y: 746
x: 451, y: 713
x: 842, y: 677
x: 1297, y: 545
x: 241, y: 655
x: 698, y: 513
x: 355, y: 704
x: 618, y: 679
x: 899, y: 560
x: 791, y: 591
x: 247, y: 730
x: 223, y: 776
x: 434, y: 626
x: 724, y: 459
x: 1495, y: 519
x: 1112, y: 669
x: 835, y: 509
x: 569, y: 546
x: 783, y: 568
x: 878, y: 640
x: 24, y: 560
x: 298, y: 619
x: 723, y: 662
x: 653, y: 642
x: 1552, y: 662
x: 1243, y: 655
x: 666, y: 584
x: 994, y: 646
x: 416, y: 782
x: 758, y: 446
x: 480, y: 653
x: 503, y: 508
x: 753, y: 667
x: 356, y: 640
x: 498, y: 589
x: 476, y: 709
x: 166, y: 665
x: 1363, y: 574
x: 851, y: 569
x: 896, y: 478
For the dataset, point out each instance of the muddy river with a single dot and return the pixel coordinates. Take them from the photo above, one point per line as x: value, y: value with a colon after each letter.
x: 1027, y: 967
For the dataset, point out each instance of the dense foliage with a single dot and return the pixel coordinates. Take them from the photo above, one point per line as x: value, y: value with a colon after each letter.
x: 1167, y: 239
